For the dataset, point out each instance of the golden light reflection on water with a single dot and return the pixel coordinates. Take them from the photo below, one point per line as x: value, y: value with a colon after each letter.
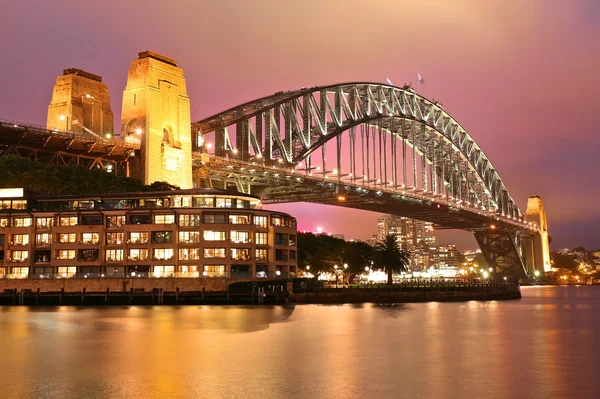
x: 492, y: 349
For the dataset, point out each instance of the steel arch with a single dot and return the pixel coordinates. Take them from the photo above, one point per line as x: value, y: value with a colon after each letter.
x: 312, y: 117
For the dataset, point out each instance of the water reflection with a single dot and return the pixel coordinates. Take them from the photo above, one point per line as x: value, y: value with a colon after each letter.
x: 541, y: 346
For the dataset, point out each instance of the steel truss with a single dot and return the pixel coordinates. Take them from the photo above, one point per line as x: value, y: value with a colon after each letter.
x: 384, y: 137
x: 501, y: 251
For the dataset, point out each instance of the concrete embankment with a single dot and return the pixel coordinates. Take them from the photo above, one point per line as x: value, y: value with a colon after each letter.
x: 404, y: 297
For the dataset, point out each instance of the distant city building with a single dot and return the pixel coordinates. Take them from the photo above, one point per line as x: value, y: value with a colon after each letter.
x: 414, y: 236
x: 445, y: 256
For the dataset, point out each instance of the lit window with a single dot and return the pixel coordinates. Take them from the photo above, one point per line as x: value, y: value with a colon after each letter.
x: 214, y: 235
x: 215, y: 270
x: 67, y: 221
x: 65, y: 238
x: 114, y: 238
x: 261, y: 238
x: 261, y: 254
x: 189, y: 254
x: 3, y: 222
x: 115, y: 221
x: 276, y: 221
x: 214, y: 253
x: 44, y: 223
x: 43, y: 239
x: 239, y: 219
x: 67, y: 271
x: 163, y: 253
x: 260, y: 221
x: 190, y: 220
x: 138, y: 254
x: 19, y: 256
x: 224, y: 202
x: 164, y: 219
x: 90, y: 238
x: 240, y: 237
x: 21, y: 222
x: 163, y: 271
x: 65, y: 254
x: 19, y: 239
x: 20, y: 272
x: 240, y: 253
x: 189, y: 237
x: 114, y: 255
x: 140, y: 237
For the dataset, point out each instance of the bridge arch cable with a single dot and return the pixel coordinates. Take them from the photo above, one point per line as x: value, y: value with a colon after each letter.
x: 292, y: 127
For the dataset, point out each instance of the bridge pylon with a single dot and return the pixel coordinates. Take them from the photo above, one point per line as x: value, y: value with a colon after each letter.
x: 536, y: 214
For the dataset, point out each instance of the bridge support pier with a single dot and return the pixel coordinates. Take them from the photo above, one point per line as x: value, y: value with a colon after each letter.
x: 500, y: 252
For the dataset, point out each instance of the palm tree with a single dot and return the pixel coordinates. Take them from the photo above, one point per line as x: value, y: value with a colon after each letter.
x: 391, y: 256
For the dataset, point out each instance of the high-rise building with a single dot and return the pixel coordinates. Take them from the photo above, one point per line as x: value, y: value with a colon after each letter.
x: 444, y: 256
x: 415, y: 236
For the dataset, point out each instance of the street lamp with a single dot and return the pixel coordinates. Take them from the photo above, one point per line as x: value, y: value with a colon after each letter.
x: 277, y: 273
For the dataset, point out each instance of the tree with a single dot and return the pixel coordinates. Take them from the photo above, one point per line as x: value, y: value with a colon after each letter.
x: 391, y: 256
x: 357, y: 255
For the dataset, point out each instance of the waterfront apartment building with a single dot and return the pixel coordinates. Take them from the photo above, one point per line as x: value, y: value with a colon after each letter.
x: 182, y: 233
x: 412, y: 235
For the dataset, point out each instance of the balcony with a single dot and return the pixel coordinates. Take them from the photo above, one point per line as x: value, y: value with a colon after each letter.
x: 42, y: 243
x: 137, y: 258
x: 17, y: 260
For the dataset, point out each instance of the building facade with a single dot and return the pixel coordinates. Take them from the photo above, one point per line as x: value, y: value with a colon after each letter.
x: 413, y: 235
x: 182, y: 233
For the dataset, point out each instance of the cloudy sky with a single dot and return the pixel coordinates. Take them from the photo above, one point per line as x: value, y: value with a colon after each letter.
x: 521, y: 76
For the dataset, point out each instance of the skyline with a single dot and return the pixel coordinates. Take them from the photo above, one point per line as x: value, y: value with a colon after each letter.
x: 546, y: 65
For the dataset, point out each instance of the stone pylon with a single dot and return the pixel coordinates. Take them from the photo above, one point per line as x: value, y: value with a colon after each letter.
x: 536, y: 214
x: 80, y: 103
x: 156, y: 113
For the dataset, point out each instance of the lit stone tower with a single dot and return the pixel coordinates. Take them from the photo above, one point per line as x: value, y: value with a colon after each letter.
x: 536, y: 214
x: 80, y: 103
x: 156, y: 113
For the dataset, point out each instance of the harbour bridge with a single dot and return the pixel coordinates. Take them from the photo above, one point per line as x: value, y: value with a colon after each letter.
x: 359, y: 145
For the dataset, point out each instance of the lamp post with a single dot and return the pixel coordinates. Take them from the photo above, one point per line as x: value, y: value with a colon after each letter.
x: 344, y: 276
x: 536, y: 276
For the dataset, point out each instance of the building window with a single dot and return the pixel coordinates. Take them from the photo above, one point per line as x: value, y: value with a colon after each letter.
x: 164, y: 219
x: 42, y: 256
x: 67, y: 221
x: 240, y: 237
x: 163, y: 271
x: 21, y: 222
x: 243, y: 204
x: 214, y: 218
x: 114, y: 255
x: 65, y: 254
x: 190, y: 220
x: 292, y: 256
x: 19, y: 239
x: 163, y: 253
x: 224, y: 202
x: 19, y: 256
x: 189, y: 237
x: 239, y: 219
x: 292, y: 239
x: 67, y: 271
x: 261, y: 254
x: 162, y: 237
x: 90, y: 238
x: 44, y: 223
x: 261, y: 271
x: 276, y: 221
x: 140, y: 219
x: 281, y: 255
x: 218, y: 253
x: 240, y: 253
x: 5, y: 204
x: 281, y: 239
x: 3, y: 222
x: 189, y: 254
x: 260, y: 221
x: 114, y: 238
x: 66, y: 238
x: 138, y: 254
x: 43, y: 239
x: 193, y: 220
x: 20, y: 272
x: 91, y: 220
x: 138, y: 237
x: 215, y: 270
x: 204, y: 202
x: 210, y: 235
x: 115, y: 221
x: 89, y: 255
x: 261, y: 238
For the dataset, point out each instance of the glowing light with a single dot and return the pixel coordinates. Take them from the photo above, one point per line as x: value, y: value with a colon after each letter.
x: 335, y: 267
x: 278, y: 272
x: 335, y: 171
x: 345, y: 265
x: 341, y: 198
x: 537, y: 273
x: 258, y: 156
x: 485, y: 274
x: 493, y: 227
x: 205, y: 273
x: 138, y: 131
x: 319, y: 229
x: 208, y: 146
x: 235, y: 151
x: 307, y: 267
x: 62, y: 118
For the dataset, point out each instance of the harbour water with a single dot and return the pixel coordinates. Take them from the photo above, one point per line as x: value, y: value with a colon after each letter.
x: 542, y: 346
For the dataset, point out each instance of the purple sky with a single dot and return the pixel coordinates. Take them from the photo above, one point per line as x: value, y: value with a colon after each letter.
x: 521, y: 76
